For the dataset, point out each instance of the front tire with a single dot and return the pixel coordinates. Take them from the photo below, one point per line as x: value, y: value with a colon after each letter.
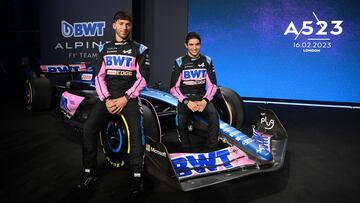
x: 115, y: 136
x: 230, y: 107
x: 115, y: 140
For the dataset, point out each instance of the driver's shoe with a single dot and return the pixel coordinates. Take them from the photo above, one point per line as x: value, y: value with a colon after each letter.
x: 88, y: 177
x: 136, y: 184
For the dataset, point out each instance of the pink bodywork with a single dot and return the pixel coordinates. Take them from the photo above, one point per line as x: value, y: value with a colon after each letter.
x: 71, y: 104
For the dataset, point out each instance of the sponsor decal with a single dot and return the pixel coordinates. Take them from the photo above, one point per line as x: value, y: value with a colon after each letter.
x: 62, y: 68
x: 194, y: 82
x: 142, y: 48
x: 119, y: 72
x: 188, y: 165
x: 194, y: 74
x: 152, y: 149
x: 86, y: 76
x: 268, y: 124
x: 118, y: 60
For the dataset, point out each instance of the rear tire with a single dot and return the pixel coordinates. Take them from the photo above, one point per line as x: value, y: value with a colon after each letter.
x: 38, y: 94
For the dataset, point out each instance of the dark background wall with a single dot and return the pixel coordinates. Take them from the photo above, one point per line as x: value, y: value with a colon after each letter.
x: 64, y: 39
x: 163, y: 27
x: 20, y: 36
x: 159, y: 24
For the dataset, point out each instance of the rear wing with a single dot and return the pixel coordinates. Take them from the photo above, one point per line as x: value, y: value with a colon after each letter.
x: 60, y: 74
x: 63, y: 68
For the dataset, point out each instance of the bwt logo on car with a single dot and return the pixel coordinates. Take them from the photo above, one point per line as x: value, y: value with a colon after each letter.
x: 201, y: 163
x: 63, y: 69
x: 194, y: 74
x: 118, y: 60
x: 82, y: 29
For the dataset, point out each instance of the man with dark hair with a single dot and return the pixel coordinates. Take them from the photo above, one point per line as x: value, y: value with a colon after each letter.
x: 193, y: 83
x: 122, y: 72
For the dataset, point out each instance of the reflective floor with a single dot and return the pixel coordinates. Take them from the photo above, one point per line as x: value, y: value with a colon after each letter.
x: 41, y: 161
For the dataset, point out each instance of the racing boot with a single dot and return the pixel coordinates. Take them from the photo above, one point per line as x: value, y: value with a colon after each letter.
x: 136, y: 184
x: 88, y: 177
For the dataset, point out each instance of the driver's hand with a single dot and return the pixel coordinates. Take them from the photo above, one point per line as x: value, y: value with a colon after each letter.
x: 110, y: 105
x: 201, y: 105
x: 192, y: 106
x: 120, y: 103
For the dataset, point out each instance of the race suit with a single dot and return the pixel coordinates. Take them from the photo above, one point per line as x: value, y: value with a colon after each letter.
x: 123, y: 70
x: 193, y: 79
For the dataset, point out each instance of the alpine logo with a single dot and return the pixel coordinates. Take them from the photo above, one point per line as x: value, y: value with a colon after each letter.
x: 127, y: 51
x: 202, y: 65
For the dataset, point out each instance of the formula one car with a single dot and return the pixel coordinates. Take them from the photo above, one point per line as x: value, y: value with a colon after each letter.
x: 239, y: 155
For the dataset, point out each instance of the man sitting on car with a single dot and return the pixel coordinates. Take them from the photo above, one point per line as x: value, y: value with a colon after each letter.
x: 193, y: 83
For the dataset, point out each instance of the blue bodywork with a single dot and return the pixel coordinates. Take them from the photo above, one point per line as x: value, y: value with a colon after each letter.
x: 249, y: 145
x: 244, y: 142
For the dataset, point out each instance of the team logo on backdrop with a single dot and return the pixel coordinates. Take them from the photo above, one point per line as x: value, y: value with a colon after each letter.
x: 83, y: 29
x: 75, y: 41
x: 314, y: 35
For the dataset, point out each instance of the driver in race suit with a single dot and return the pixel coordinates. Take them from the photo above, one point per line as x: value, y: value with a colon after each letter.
x: 193, y: 83
x: 122, y: 73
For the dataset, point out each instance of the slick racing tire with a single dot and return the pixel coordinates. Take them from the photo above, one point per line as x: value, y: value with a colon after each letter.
x: 115, y: 137
x: 151, y: 127
x: 38, y: 94
x: 234, y: 105
x: 115, y: 140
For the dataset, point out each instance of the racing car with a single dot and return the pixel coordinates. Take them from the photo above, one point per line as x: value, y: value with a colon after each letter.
x: 239, y: 154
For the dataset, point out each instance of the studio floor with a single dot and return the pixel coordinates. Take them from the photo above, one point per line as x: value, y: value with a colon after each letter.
x: 41, y: 162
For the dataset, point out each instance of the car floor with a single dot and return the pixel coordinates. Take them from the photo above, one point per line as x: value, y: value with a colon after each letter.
x: 41, y: 161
